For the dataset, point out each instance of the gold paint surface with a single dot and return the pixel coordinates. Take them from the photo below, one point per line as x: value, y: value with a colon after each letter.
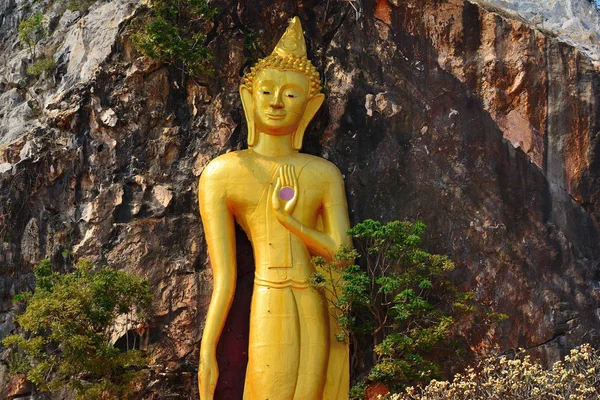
x: 293, y: 352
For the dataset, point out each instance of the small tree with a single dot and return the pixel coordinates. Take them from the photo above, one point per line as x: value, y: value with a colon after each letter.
x: 32, y: 31
x: 175, y: 34
x: 67, y: 322
x: 401, y: 297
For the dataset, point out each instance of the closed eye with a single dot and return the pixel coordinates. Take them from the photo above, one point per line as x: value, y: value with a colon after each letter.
x: 291, y: 93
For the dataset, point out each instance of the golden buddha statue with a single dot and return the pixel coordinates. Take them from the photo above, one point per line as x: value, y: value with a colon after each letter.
x: 292, y: 206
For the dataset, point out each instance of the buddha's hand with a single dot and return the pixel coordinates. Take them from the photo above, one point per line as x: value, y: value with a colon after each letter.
x: 285, y: 194
x: 208, y: 375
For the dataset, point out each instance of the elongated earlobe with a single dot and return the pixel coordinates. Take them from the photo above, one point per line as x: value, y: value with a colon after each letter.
x: 248, y: 104
x: 311, y: 109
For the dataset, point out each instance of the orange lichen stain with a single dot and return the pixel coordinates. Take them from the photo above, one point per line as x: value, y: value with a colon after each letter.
x: 15, y: 386
x: 383, y: 11
x: 375, y: 390
x: 576, y: 160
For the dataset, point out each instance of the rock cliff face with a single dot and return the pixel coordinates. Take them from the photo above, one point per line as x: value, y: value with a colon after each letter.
x: 482, y: 126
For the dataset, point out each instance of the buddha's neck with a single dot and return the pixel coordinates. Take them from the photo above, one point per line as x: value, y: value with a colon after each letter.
x: 273, y: 146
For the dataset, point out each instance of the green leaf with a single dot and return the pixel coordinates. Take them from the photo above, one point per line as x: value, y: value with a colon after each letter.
x: 425, y: 284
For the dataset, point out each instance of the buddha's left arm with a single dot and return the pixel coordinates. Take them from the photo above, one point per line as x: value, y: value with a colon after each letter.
x: 335, y: 221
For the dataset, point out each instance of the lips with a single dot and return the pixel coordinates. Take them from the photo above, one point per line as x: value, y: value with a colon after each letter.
x: 276, y: 116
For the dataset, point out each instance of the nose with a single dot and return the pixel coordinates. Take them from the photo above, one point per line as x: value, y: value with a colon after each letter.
x: 277, y: 101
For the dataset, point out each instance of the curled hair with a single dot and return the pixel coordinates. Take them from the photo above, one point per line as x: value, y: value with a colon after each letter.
x: 289, y: 63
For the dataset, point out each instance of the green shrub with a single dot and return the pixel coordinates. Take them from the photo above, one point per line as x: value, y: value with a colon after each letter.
x: 500, y: 378
x: 44, y: 64
x: 67, y: 322
x: 358, y: 391
x: 401, y: 297
x: 175, y: 34
x: 82, y: 6
x: 251, y: 48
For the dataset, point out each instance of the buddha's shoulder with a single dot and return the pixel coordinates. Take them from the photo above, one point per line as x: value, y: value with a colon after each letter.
x: 224, y: 163
x: 231, y: 156
x: 320, y: 165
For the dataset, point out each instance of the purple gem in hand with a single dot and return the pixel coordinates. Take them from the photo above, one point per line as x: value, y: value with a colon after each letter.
x: 286, y: 193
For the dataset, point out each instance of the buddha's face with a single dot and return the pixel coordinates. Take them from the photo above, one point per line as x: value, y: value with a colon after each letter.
x: 280, y: 99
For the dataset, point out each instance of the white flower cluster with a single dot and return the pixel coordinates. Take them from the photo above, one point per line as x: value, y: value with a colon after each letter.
x: 500, y: 378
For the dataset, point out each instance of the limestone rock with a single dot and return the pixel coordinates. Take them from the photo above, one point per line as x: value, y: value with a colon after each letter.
x: 576, y: 22
x: 88, y: 42
x: 109, y: 118
x: 30, y: 243
x: 5, y: 167
x: 15, y: 116
x: 161, y: 198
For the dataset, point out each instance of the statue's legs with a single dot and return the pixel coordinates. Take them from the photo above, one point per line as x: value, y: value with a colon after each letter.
x: 314, y: 347
x: 273, y: 347
x: 288, y: 345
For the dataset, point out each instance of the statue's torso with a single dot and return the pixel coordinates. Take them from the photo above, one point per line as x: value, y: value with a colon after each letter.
x: 280, y: 256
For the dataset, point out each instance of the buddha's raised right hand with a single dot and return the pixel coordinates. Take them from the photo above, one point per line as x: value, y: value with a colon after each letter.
x: 285, y: 194
x: 208, y: 375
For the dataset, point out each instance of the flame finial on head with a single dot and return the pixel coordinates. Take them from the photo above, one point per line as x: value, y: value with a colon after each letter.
x: 292, y: 42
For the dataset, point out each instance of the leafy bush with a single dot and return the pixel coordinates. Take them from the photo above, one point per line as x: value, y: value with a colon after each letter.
x: 175, y: 34
x: 500, y: 378
x: 82, y: 6
x: 67, y: 323
x: 401, y: 297
x: 44, y: 64
x: 32, y: 31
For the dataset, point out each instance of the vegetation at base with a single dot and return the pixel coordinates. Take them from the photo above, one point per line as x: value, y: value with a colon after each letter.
x: 66, y: 324
x: 32, y: 31
x: 41, y: 65
x: 358, y: 391
x: 400, y: 296
x: 521, y: 378
x: 175, y: 34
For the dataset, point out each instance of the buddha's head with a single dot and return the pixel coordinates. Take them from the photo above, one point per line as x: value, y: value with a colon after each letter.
x: 282, y: 92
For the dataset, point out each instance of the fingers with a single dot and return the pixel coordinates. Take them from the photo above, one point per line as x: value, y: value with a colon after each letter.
x: 287, y: 174
x: 293, y: 183
x: 290, y: 175
x: 275, y: 195
x: 294, y: 178
x: 282, y: 175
